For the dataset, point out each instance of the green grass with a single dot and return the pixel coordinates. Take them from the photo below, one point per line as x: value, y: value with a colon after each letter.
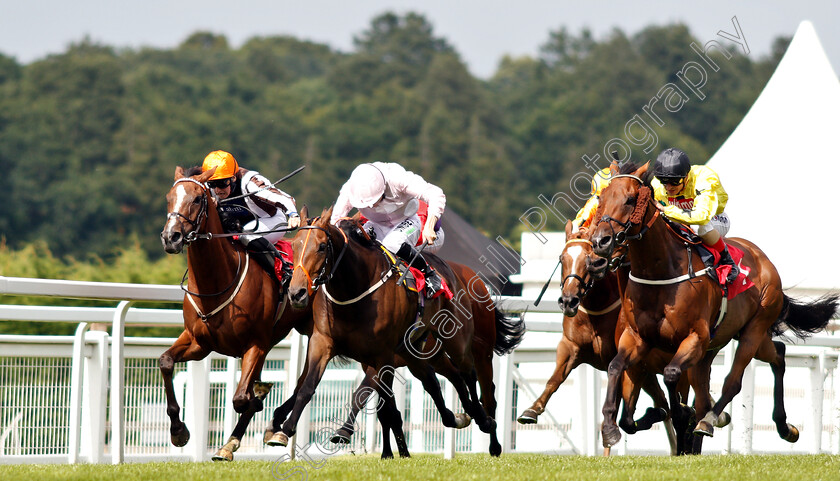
x: 462, y: 468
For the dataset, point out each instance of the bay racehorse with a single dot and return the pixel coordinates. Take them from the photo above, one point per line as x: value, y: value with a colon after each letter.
x: 670, y: 304
x: 494, y: 332
x: 365, y: 315
x: 591, y: 302
x: 231, y: 305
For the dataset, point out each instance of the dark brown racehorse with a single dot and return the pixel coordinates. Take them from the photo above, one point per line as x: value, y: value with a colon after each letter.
x: 363, y: 314
x: 591, y: 310
x: 493, y: 332
x: 680, y: 315
x: 231, y: 305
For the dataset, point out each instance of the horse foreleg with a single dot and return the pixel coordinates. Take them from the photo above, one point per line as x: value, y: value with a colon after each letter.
x: 567, y: 359
x: 630, y: 351
x: 390, y: 417
x: 282, y: 412
x: 184, y: 349
x: 773, y: 353
x: 360, y: 397
x: 318, y: 355
x: 634, y: 380
x: 252, y: 364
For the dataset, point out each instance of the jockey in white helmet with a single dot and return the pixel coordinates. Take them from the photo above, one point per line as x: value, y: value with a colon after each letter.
x: 389, y: 196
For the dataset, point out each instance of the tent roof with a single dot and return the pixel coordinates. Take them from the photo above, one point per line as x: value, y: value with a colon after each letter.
x: 773, y: 167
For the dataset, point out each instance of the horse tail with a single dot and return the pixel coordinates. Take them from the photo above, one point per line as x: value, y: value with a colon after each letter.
x: 806, y: 318
x: 509, y: 332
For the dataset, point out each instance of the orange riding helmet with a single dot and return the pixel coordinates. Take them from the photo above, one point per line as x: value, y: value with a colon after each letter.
x: 224, y: 163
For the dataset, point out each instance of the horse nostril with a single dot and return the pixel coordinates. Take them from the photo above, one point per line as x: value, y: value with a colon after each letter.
x: 574, y: 302
x: 598, y: 264
x: 605, y: 242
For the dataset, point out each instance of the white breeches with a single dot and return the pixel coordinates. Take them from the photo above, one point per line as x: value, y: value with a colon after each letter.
x: 719, y: 223
x: 407, y: 231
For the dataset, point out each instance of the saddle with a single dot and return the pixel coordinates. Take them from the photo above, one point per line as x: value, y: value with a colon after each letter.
x: 711, y: 258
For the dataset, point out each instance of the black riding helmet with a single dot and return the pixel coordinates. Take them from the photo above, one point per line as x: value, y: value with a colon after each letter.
x: 671, y: 164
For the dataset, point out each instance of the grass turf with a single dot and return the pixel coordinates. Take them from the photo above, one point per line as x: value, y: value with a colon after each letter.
x: 462, y: 468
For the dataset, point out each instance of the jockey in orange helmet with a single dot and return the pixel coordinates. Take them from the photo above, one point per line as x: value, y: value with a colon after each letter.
x: 693, y: 195
x: 389, y: 197
x: 263, y: 211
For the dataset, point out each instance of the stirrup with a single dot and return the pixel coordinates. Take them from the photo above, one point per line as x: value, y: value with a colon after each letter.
x: 434, y: 285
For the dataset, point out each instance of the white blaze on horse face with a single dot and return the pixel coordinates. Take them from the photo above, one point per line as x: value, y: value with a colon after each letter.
x: 575, y: 253
x: 180, y: 200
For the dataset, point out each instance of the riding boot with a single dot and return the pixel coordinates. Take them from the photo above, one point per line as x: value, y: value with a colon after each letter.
x: 726, y: 260
x: 434, y: 284
x: 264, y: 253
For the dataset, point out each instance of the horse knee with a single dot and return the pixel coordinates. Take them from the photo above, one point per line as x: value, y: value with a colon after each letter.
x: 671, y: 374
x: 166, y: 363
x: 241, y: 402
x: 615, y: 368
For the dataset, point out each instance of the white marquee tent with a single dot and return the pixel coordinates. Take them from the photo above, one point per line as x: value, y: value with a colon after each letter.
x: 778, y: 167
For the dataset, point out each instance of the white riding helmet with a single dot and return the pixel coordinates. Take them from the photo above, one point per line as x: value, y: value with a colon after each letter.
x: 367, y: 184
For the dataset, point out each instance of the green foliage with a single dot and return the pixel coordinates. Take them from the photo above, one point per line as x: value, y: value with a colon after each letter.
x: 90, y: 138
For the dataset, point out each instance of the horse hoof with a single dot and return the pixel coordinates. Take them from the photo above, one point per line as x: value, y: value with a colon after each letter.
x: 723, y: 420
x: 223, y: 455
x: 462, y: 420
x: 261, y: 389
x: 611, y: 435
x: 495, y: 450
x: 528, y: 416
x: 793, y: 434
x: 387, y: 456
x: 340, y: 438
x: 704, y: 428
x: 267, y: 435
x: 279, y: 439
x: 180, y: 437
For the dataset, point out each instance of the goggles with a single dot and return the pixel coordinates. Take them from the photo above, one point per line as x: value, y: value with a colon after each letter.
x: 220, y: 183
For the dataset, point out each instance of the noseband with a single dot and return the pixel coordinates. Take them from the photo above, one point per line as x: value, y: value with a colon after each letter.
x: 193, y: 234
x: 322, y: 276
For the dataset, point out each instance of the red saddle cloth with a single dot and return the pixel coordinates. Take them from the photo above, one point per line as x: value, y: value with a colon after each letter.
x: 420, y: 284
x: 742, y: 282
x: 285, y: 248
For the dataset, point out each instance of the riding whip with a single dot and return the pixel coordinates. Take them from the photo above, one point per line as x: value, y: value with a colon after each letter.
x: 545, y: 287
x: 266, y: 187
x: 413, y: 258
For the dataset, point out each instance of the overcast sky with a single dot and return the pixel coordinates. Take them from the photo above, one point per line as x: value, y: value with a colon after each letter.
x: 482, y: 31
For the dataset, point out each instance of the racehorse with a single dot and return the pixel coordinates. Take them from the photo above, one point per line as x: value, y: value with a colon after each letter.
x: 364, y: 314
x: 591, y: 306
x: 670, y: 304
x: 230, y: 306
x: 493, y: 333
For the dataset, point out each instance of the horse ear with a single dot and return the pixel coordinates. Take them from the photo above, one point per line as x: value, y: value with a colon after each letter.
x: 357, y: 217
x: 569, y: 228
x: 326, y: 215
x: 613, y: 168
x: 304, y: 214
x: 179, y: 172
x: 643, y: 169
x: 206, y: 175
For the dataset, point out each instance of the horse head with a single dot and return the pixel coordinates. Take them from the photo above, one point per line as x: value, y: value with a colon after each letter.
x: 316, y: 245
x: 623, y: 206
x: 580, y: 268
x: 189, y: 206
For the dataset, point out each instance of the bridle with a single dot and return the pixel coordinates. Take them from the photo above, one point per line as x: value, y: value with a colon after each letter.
x: 584, y: 286
x: 193, y: 234
x: 322, y: 276
x: 645, y: 197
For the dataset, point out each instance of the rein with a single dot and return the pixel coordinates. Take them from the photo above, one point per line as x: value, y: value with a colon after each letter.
x: 322, y: 276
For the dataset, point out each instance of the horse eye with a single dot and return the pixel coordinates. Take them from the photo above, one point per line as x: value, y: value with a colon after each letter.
x: 196, y: 200
x: 630, y: 201
x: 322, y: 247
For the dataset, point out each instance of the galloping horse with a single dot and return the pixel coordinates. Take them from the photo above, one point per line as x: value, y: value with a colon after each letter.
x: 670, y: 304
x: 364, y: 314
x: 591, y: 310
x: 493, y: 333
x: 230, y: 306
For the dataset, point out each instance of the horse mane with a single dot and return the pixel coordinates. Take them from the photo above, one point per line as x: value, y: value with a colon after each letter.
x: 629, y: 167
x: 192, y: 171
x: 354, y: 231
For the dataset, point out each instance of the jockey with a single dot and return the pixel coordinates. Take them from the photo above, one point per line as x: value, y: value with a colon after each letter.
x: 265, y: 210
x: 600, y: 180
x: 389, y: 196
x: 693, y: 195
